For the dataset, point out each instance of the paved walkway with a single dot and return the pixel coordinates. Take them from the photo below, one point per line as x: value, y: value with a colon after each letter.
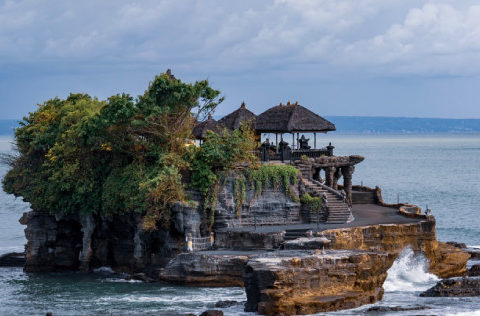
x: 365, y: 214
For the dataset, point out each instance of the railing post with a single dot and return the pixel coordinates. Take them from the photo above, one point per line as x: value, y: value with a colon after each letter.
x: 189, y: 242
x: 212, y: 239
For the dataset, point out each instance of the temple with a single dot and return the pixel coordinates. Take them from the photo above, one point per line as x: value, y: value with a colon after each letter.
x: 284, y: 133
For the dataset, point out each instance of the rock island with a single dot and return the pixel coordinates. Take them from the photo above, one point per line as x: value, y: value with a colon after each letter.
x: 156, y: 187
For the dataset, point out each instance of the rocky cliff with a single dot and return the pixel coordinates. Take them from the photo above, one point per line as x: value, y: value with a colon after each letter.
x: 88, y: 241
x: 445, y: 260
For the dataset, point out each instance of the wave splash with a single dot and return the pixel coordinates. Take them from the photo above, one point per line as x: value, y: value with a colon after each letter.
x: 409, y: 273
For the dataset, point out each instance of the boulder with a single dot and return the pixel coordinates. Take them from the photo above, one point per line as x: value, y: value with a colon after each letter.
x: 474, y: 254
x: 12, y: 259
x: 455, y: 287
x: 474, y: 270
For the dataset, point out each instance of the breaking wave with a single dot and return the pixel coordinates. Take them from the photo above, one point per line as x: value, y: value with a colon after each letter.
x: 409, y: 273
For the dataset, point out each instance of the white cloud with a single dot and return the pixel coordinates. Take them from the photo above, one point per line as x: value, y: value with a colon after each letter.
x: 432, y: 37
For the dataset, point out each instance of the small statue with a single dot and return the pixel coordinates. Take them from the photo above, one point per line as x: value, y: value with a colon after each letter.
x: 304, y: 142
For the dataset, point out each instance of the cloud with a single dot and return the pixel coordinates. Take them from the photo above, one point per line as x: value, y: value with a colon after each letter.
x: 429, y: 38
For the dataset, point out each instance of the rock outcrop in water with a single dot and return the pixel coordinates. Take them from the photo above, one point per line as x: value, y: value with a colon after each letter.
x: 306, y: 282
x: 296, y: 278
x: 455, y: 287
x: 12, y: 259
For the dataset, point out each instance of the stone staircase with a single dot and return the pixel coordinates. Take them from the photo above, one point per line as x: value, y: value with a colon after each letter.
x: 338, y: 210
x: 305, y: 170
x: 291, y: 234
x: 360, y: 197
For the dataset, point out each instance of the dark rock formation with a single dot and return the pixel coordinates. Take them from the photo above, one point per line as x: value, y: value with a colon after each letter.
x: 206, y: 268
x: 212, y: 312
x: 460, y: 245
x: 474, y: 270
x: 387, y: 309
x: 474, y: 254
x: 225, y: 304
x: 72, y: 243
x: 12, y: 259
x: 455, y: 287
x: 306, y: 282
x: 248, y: 240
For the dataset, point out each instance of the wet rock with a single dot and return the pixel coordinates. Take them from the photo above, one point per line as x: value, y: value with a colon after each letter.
x: 474, y: 254
x: 212, y: 312
x: 12, y: 259
x: 474, y: 270
x: 140, y: 277
x: 307, y: 243
x: 304, y: 282
x: 460, y: 245
x: 225, y: 304
x: 387, y: 309
x: 206, y: 268
x: 455, y: 287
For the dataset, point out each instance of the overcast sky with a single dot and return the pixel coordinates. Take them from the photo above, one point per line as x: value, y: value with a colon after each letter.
x: 339, y: 57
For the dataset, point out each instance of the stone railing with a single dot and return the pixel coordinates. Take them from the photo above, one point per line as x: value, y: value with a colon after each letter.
x: 338, y: 193
x: 199, y: 243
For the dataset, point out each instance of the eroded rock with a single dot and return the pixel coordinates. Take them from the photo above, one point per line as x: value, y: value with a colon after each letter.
x: 455, y: 287
x: 474, y: 270
x: 304, y: 282
x: 205, y: 269
x: 387, y: 309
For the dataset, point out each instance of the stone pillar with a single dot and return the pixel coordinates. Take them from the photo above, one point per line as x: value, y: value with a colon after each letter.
x: 347, y: 182
x: 336, y: 175
x: 329, y: 176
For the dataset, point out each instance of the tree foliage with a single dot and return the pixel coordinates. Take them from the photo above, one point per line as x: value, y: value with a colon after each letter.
x: 119, y: 155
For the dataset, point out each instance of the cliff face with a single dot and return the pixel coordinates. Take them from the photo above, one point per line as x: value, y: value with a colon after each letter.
x: 73, y: 242
x: 305, y: 282
x: 88, y: 241
x: 445, y: 261
x: 271, y: 207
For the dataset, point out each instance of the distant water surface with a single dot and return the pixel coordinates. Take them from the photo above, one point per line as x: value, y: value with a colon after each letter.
x: 441, y: 171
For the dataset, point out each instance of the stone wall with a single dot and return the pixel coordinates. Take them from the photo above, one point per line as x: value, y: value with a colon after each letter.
x: 272, y: 207
x: 248, y: 240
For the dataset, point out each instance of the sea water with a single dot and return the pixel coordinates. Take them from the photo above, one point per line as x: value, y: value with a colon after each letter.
x: 438, y: 170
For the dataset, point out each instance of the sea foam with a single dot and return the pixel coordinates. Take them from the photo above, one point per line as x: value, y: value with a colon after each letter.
x: 409, y: 273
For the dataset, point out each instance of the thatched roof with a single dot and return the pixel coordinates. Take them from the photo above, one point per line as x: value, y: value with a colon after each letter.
x: 291, y: 118
x: 200, y: 130
x: 233, y: 120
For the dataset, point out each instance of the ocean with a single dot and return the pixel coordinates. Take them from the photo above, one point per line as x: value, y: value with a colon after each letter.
x: 441, y: 171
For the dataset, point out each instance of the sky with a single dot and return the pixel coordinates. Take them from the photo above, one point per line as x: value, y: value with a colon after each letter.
x: 339, y: 57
